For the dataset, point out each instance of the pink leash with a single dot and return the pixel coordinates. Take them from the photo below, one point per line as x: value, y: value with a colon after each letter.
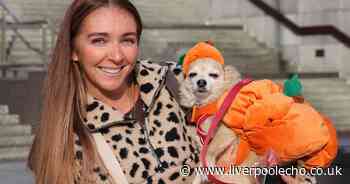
x: 213, y: 126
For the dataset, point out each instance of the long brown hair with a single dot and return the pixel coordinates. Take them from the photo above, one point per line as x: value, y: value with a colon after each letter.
x: 52, y: 155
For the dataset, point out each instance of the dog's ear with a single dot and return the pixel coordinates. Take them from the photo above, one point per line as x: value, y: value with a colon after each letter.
x: 232, y: 75
x: 187, y: 98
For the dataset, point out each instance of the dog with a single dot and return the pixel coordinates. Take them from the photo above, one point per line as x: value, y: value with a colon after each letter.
x: 207, y: 81
x: 258, y: 128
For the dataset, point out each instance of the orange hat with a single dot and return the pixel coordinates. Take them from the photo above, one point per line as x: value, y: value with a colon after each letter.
x: 201, y: 50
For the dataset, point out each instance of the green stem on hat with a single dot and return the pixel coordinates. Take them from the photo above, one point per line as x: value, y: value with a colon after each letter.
x: 181, y: 59
x: 293, y: 86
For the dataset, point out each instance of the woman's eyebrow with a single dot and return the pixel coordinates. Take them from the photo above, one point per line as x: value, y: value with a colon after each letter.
x: 104, y: 34
x: 129, y: 34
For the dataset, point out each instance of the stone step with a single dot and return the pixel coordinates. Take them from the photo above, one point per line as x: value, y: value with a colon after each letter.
x: 251, y: 66
x: 329, y: 97
x: 326, y: 87
x: 28, y: 53
x: 28, y: 69
x: 333, y: 112
x: 335, y: 91
x: 340, y: 120
x: 16, y: 141
x: 35, y: 36
x: 240, y: 45
x: 31, y: 17
x: 14, y: 153
x: 29, y: 61
x: 251, y: 59
x: 342, y: 105
x: 15, y: 130
x: 4, y: 109
x: 310, y: 91
x: 341, y: 124
x: 22, y: 50
x: 26, y: 60
x: 174, y: 11
x: 25, y: 54
x: 30, y: 33
x: 158, y: 49
x: 326, y: 81
x: 20, y: 46
x: 37, y: 11
x: 9, y: 119
x: 251, y: 43
x: 190, y: 36
x: 246, y: 53
x: 342, y: 128
x: 12, y: 75
x: 338, y: 115
x: 36, y: 61
x: 34, y: 41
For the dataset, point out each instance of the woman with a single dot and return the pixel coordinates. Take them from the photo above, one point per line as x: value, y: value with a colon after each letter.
x: 95, y: 86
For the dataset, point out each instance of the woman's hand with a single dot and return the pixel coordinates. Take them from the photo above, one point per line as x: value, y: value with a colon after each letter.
x: 298, y: 179
x: 289, y: 179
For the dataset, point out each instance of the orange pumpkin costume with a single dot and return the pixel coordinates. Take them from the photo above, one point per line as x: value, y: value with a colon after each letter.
x: 265, y: 118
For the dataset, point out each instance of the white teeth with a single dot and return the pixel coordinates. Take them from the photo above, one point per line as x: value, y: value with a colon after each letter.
x: 110, y: 70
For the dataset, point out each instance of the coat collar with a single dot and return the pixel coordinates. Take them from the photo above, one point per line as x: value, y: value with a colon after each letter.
x: 149, y: 77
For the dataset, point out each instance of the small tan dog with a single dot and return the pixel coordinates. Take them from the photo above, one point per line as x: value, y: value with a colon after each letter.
x: 206, y: 81
x: 261, y: 118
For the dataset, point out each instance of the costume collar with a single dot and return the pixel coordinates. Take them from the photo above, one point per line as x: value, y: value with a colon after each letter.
x: 199, y: 111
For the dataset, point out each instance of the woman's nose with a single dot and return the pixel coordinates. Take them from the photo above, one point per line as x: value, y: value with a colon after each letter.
x: 116, y: 53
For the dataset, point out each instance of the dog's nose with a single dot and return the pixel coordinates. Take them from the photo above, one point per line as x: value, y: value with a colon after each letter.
x: 201, y: 83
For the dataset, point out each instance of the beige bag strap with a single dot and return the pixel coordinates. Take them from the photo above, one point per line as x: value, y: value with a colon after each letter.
x: 109, y: 160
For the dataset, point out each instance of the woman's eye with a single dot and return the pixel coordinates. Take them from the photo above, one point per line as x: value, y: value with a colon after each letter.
x: 191, y: 75
x: 214, y: 75
x: 98, y: 41
x: 129, y: 41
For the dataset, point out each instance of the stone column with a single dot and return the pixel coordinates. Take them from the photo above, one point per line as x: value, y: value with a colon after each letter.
x: 345, y: 65
x: 290, y: 42
x: 344, y: 14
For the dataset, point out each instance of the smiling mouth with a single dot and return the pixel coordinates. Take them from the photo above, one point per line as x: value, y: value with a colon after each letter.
x: 111, y: 71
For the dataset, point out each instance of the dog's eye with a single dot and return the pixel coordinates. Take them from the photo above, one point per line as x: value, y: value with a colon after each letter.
x: 192, y: 75
x: 214, y: 75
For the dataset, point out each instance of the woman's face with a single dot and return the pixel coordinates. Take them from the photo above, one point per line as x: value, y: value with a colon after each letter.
x: 106, y: 46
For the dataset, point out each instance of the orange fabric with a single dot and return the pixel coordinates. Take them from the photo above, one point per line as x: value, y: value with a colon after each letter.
x: 201, y: 50
x: 266, y: 119
x: 324, y: 157
x: 248, y: 95
x: 208, y: 109
x: 298, y: 134
x: 243, y: 150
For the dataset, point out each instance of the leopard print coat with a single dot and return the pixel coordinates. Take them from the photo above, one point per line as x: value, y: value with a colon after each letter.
x: 152, y: 151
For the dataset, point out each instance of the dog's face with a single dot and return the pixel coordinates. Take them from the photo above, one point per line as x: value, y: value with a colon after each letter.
x: 206, y: 81
x: 205, y: 76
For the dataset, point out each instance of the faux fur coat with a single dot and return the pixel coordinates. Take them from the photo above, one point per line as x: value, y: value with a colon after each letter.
x: 151, y: 149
